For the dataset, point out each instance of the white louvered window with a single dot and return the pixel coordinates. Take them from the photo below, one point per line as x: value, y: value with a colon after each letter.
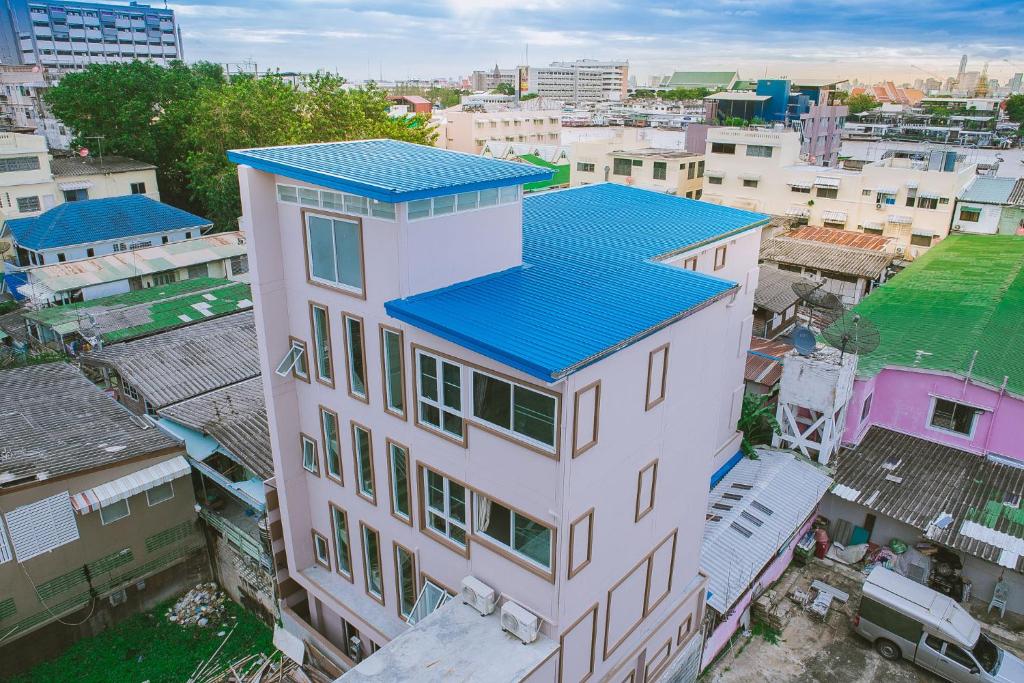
x: 6, y: 554
x: 42, y: 526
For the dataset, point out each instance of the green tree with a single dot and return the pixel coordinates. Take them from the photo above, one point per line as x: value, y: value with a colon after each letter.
x: 839, y: 96
x: 446, y: 97
x: 685, y: 94
x: 505, y: 89
x: 1015, y: 108
x: 757, y: 422
x: 861, y: 102
x: 529, y: 96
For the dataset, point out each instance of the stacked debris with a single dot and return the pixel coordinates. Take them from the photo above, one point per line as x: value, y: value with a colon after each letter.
x: 257, y: 668
x: 202, y: 606
x: 772, y: 610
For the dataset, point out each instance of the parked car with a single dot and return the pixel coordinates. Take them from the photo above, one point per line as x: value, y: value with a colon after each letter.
x: 905, y: 619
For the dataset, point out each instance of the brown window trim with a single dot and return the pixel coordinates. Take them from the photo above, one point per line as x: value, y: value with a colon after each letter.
x: 303, y: 437
x: 593, y: 642
x: 690, y: 264
x: 683, y: 635
x: 467, y: 417
x: 404, y: 415
x: 348, y: 532
x: 388, y: 443
x: 304, y: 212
x: 395, y: 545
x: 315, y: 364
x: 355, y: 461
x: 508, y: 554
x: 648, y: 605
x: 366, y: 567
x: 305, y: 355
x: 580, y: 449
x: 652, y: 674
x: 427, y: 577
x: 340, y: 479
x: 327, y: 544
x: 575, y: 569
x: 640, y: 514
x: 345, y: 315
x: 422, y: 505
x: 664, y: 348
x: 723, y: 250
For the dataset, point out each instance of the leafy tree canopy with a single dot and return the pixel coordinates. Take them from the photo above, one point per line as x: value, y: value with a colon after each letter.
x: 861, y: 102
x: 505, y: 89
x: 1015, y: 108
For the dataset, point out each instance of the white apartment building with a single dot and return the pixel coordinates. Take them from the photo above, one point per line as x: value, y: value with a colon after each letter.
x: 906, y: 195
x: 584, y: 80
x: 22, y: 107
x: 468, y: 131
x: 627, y: 159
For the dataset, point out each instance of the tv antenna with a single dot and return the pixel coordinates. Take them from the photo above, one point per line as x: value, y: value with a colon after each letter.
x: 852, y: 333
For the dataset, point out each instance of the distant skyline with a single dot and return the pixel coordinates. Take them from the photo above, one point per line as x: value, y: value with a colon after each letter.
x: 865, y: 39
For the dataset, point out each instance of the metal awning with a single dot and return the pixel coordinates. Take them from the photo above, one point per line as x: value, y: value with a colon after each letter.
x: 826, y: 181
x: 874, y: 225
x: 923, y: 232
x: 929, y: 195
x: 749, y: 176
x: 834, y: 216
x: 798, y: 211
x: 78, y: 185
x: 912, y: 184
x: 899, y: 220
x: 802, y: 184
x: 886, y: 190
x: 716, y: 174
x: 129, y: 485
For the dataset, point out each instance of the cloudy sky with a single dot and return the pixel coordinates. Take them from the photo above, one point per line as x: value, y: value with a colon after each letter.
x: 866, y: 39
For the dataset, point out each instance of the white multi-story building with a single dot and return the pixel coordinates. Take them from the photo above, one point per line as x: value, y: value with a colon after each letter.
x: 467, y: 129
x: 585, y: 80
x: 627, y: 158
x: 906, y: 195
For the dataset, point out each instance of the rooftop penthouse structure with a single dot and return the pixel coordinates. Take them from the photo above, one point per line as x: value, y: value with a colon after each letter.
x: 519, y: 400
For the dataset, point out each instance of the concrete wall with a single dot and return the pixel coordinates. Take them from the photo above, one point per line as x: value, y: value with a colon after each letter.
x: 81, y: 251
x: 468, y: 131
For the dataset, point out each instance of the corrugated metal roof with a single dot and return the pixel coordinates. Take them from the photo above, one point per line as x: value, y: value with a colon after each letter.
x: 845, y: 238
x: 775, y: 289
x: 828, y: 257
x: 388, y: 170
x: 99, y: 220
x: 764, y: 361
x: 751, y: 514
x: 988, y: 190
x: 590, y: 283
x: 1016, y: 197
x: 63, y: 167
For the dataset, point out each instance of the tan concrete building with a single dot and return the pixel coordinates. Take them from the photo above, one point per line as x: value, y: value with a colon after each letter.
x: 627, y: 159
x: 906, y: 195
x: 468, y: 131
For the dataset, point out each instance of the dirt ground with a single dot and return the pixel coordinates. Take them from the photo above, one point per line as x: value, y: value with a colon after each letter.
x: 810, y: 651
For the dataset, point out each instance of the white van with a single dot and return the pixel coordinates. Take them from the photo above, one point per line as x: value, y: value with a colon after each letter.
x: 905, y: 619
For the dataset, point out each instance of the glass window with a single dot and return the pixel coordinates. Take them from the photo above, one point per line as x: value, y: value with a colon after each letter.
x: 520, y: 534
x: 468, y: 200
x: 826, y: 192
x: 445, y: 507
x: 509, y: 193
x: 759, y: 151
x: 294, y: 362
x: 430, y: 598
x: 419, y: 208
x: 332, y: 442
x: 114, y: 511
x: 444, y: 205
x: 748, y: 182
x: 488, y: 197
x: 986, y: 653
x: 723, y: 148
x: 309, y: 197
x: 355, y: 356
x: 310, y: 461
x: 371, y: 563
x: 405, y: 573
x: 660, y: 170
x: 714, y: 180
x: 970, y: 214
x: 321, y: 551
x: 398, y: 461
x: 440, y: 394
x: 26, y: 204
x: 357, y: 204
x: 332, y: 200
x: 622, y: 167
x: 342, y: 551
x: 514, y: 408
x: 363, y: 450
x: 927, y: 202
x: 335, y: 252
x: 138, y: 188
x: 959, y: 656
x: 394, y: 379
x: 159, y: 494
x: 953, y: 417
x: 382, y: 209
x: 322, y: 343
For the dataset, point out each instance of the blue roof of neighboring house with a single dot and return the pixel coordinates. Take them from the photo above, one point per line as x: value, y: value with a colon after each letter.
x: 99, y: 220
x: 988, y: 190
x: 388, y: 170
x: 589, y: 284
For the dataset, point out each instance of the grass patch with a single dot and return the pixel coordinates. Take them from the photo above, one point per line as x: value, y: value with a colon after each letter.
x: 148, y: 647
x: 767, y: 632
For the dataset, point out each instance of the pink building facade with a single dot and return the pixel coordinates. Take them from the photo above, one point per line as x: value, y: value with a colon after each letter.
x: 417, y: 441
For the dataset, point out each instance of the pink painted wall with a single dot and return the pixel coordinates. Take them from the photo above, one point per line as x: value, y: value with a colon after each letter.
x: 902, y: 399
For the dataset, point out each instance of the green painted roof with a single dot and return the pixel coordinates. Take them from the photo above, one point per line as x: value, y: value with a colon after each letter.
x: 706, y: 79
x: 966, y: 294
x: 125, y: 316
x: 561, y: 176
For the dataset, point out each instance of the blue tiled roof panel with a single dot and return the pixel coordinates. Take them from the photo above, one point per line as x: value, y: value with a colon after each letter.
x: 388, y: 170
x: 99, y: 220
x: 588, y: 285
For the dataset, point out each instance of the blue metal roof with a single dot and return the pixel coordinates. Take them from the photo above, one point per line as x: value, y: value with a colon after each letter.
x: 99, y: 220
x: 388, y: 170
x: 589, y: 284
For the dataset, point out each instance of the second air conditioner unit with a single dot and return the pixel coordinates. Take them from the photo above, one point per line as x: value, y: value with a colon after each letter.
x: 478, y: 595
x: 520, y: 622
x: 355, y: 649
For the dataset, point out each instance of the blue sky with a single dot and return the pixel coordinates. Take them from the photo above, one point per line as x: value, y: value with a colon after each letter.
x: 866, y: 39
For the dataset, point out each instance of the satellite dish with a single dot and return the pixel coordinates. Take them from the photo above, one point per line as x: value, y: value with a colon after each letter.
x: 852, y: 334
x: 804, y: 341
x: 814, y: 296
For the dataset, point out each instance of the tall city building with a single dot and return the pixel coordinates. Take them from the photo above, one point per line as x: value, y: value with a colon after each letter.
x: 585, y: 80
x: 68, y: 36
x: 963, y: 67
x: 1015, y: 82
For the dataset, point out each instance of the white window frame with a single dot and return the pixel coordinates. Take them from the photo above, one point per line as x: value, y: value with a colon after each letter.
x: 337, y: 201
x: 429, y: 594
x: 288, y: 365
x: 127, y: 513
x: 974, y: 417
x: 439, y: 391
x: 478, y: 506
x: 325, y: 558
x: 446, y: 513
x: 305, y: 440
x: 335, y: 284
x: 149, y: 497
x: 510, y: 432
x: 129, y: 390
x: 449, y: 204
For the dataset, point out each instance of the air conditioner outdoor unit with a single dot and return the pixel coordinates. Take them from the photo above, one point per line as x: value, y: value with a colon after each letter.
x: 957, y: 228
x: 355, y: 649
x: 478, y: 595
x: 118, y: 597
x: 899, y: 251
x: 520, y: 622
x: 878, y: 205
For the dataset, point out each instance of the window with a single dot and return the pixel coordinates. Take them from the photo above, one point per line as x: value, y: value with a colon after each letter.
x: 697, y: 194
x: 866, y: 408
x: 646, y: 481
x: 660, y: 170
x: 872, y: 230
x: 342, y: 550
x: 405, y: 579
x: 115, y: 511
x: 76, y: 195
x: 445, y: 507
x: 515, y: 409
x: 440, y: 395
x: 622, y: 167
x: 26, y: 204
x: 393, y: 362
x: 723, y: 148
x: 921, y: 240
x: 355, y: 357
x: 398, y: 476
x: 927, y: 202
x: 690, y: 263
x: 329, y: 432
x: 585, y: 168
x: 61, y: 258
x: 90, y: 252
x: 430, y: 598
x: 749, y: 182
x: 129, y: 390
x: 159, y: 494
x: 968, y: 214
x: 911, y: 195
x: 320, y: 321
x: 720, y: 257
x: 310, y: 461
x: 138, y: 188
x: 714, y: 180
x: 335, y: 252
x: 959, y: 656
x: 887, y: 198
x: 826, y: 192
x: 466, y: 201
x: 700, y: 169
x: 362, y: 452
x: 759, y: 151
x: 691, y: 170
x: 19, y: 164
x: 800, y: 188
x: 372, y: 573
x: 294, y: 362
x: 953, y: 417
x: 525, y: 537
x: 188, y: 235
x: 321, y: 551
